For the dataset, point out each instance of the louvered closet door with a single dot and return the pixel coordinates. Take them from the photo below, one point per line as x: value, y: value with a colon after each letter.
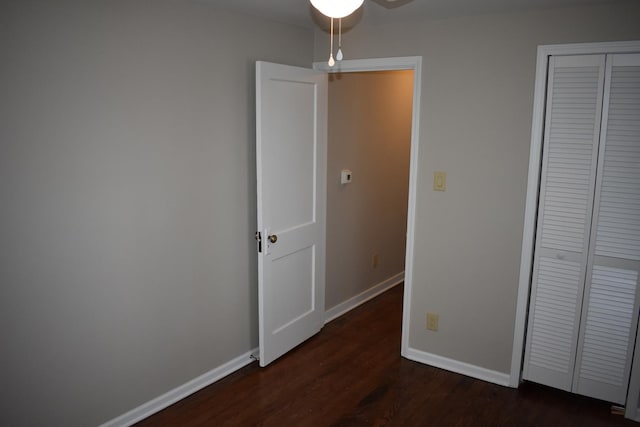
x: 573, y: 112
x: 610, y: 312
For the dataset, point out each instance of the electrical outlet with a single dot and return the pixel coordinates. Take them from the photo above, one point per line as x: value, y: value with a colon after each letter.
x: 375, y: 260
x: 432, y: 321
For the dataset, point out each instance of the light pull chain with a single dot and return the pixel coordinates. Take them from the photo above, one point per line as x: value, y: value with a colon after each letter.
x: 339, y: 54
x: 332, y: 62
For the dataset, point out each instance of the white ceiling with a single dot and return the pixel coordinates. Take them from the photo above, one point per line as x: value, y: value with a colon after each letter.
x: 299, y: 12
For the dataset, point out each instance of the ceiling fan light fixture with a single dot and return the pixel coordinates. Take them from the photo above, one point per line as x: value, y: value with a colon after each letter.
x: 337, y: 8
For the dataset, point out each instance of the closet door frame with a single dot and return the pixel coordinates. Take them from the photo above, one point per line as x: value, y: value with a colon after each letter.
x: 531, y: 207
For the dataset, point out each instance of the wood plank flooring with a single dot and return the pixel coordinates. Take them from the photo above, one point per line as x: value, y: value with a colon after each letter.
x: 351, y: 374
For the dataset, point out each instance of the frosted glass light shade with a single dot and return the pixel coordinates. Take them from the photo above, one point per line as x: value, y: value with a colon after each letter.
x: 337, y: 8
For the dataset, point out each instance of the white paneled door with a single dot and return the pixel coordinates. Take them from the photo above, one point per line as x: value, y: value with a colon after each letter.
x: 291, y: 147
x: 583, y: 314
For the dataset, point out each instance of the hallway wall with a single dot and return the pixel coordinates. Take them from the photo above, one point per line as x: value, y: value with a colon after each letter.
x: 370, y: 134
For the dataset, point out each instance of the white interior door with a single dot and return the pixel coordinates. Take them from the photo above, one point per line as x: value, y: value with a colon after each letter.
x: 570, y: 154
x: 291, y: 157
x: 583, y: 313
x: 610, y: 312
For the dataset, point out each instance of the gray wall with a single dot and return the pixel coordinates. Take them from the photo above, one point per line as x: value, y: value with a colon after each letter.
x: 477, y: 96
x: 370, y: 134
x: 127, y: 188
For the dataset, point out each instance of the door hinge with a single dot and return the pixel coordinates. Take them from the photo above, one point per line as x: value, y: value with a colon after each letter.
x: 259, y: 241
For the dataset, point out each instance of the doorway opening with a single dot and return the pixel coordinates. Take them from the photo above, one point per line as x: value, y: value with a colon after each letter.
x: 368, y: 153
x: 374, y: 109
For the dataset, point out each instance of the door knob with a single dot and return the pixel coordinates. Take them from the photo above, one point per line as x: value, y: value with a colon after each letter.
x: 273, y: 238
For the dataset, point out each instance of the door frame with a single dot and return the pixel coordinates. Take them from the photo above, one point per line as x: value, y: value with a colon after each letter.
x: 397, y: 64
x: 531, y: 207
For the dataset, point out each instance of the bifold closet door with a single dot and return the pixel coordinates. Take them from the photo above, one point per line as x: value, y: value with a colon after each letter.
x: 610, y: 311
x: 570, y: 154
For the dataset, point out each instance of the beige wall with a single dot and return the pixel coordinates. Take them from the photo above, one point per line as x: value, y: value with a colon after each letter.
x: 477, y: 95
x: 127, y: 188
x: 370, y: 134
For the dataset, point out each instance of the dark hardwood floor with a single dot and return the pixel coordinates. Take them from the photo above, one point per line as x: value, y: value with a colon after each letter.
x: 351, y: 374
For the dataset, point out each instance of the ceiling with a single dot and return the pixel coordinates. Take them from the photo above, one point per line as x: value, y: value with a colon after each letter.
x: 299, y: 12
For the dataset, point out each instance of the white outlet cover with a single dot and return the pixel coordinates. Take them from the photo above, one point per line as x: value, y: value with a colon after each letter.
x: 345, y: 176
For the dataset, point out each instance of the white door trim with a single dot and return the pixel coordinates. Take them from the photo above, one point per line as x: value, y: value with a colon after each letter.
x: 528, y: 234
x: 390, y: 64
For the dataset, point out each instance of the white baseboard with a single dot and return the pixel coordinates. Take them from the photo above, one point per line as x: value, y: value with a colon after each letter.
x: 362, y: 297
x: 456, y: 366
x: 159, y: 403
